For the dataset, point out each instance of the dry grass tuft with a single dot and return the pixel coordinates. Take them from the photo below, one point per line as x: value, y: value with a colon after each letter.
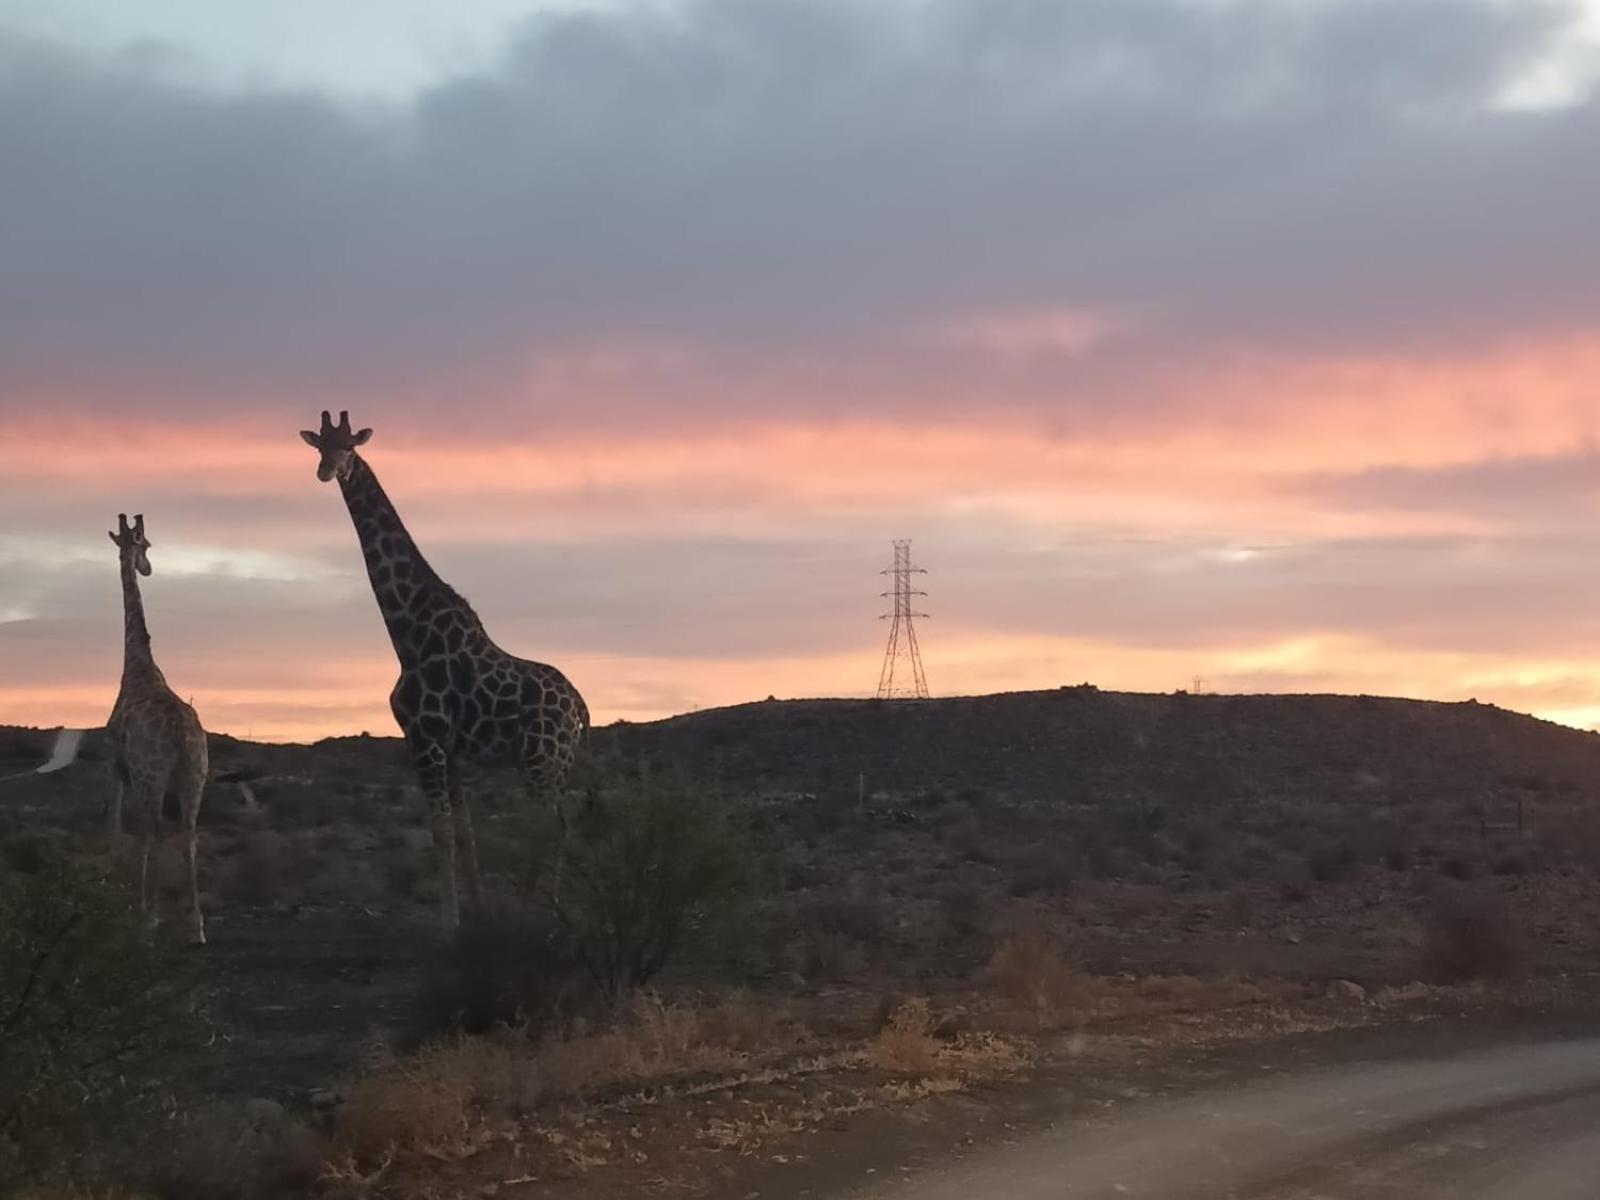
x: 436, y: 1101
x: 906, y: 1044
x: 909, y: 1044
x: 423, y: 1104
x: 655, y: 1041
x: 1030, y: 970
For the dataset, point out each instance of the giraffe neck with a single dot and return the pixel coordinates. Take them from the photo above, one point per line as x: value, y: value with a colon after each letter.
x: 403, y: 583
x: 137, y: 659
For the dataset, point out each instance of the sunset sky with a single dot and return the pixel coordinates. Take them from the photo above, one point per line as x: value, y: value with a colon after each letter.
x: 1251, y: 340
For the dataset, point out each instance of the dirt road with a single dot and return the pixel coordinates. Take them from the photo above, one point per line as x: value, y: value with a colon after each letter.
x: 1518, y: 1122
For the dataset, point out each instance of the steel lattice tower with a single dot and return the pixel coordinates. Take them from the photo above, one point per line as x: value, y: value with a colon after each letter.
x: 902, y: 677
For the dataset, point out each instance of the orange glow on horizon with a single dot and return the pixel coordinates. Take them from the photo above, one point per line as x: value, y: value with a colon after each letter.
x: 959, y: 662
x: 1225, y: 454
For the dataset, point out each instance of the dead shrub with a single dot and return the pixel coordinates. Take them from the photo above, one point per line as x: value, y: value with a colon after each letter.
x: 914, y: 1040
x: 652, y: 1041
x: 1470, y: 937
x: 422, y: 1104
x: 906, y: 1044
x: 1030, y: 970
x: 741, y: 1022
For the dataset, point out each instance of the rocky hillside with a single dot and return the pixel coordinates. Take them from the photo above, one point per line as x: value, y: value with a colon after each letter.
x: 1078, y: 746
x: 1084, y: 746
x: 1257, y: 834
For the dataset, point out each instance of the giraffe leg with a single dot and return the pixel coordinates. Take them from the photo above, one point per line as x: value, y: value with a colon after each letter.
x: 149, y: 914
x: 550, y: 875
x: 537, y: 787
x: 114, y: 808
x: 432, y: 773
x: 466, y: 842
x: 198, y: 921
x: 191, y: 787
x: 143, y: 796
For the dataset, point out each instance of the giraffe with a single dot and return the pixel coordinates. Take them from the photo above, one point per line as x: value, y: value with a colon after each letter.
x: 460, y: 698
x: 157, y: 743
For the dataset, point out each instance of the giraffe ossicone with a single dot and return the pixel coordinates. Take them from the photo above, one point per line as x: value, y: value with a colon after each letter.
x: 460, y: 698
x: 158, y: 746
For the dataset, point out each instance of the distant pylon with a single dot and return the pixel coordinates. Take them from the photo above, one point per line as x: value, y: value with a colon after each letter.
x: 902, y: 677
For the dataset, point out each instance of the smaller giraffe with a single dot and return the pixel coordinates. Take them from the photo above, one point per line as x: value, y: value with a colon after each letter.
x: 157, y: 743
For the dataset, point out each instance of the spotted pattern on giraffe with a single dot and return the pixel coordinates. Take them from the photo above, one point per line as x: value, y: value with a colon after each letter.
x: 460, y: 698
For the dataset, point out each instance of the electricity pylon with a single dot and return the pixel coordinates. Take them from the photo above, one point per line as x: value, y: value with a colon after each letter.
x: 902, y: 677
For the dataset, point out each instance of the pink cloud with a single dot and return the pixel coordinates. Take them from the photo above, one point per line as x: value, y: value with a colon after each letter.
x: 1219, y: 457
x: 1028, y: 333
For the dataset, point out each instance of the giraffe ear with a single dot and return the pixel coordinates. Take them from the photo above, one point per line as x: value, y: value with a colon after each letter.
x: 114, y: 540
x: 362, y: 438
x: 309, y: 438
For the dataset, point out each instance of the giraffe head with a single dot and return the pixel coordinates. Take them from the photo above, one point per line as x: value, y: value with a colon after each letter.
x: 131, y: 543
x: 337, y: 445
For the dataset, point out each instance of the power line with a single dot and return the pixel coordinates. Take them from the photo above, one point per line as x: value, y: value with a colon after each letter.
x: 902, y: 677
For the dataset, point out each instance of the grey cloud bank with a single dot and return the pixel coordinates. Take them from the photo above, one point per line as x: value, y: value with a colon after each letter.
x: 816, y: 179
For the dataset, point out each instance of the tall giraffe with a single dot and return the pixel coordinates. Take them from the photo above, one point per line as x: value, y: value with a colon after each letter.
x: 460, y: 698
x: 158, y: 746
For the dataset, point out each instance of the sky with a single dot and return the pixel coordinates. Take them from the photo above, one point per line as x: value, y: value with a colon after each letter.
x: 1246, y: 342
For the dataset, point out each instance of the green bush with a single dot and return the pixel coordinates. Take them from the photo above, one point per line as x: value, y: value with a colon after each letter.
x: 85, y: 1003
x: 644, y: 860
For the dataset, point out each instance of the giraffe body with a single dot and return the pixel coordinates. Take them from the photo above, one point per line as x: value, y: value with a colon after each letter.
x: 460, y: 698
x: 158, y: 746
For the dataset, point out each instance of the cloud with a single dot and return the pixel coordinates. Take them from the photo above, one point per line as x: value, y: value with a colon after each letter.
x: 1511, y: 492
x: 753, y: 178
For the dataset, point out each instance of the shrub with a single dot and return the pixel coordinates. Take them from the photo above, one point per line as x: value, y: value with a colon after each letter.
x: 506, y: 965
x: 650, y: 1040
x: 232, y: 1154
x: 1045, y: 869
x: 906, y: 1043
x: 849, y: 914
x: 1030, y: 969
x: 964, y: 907
x: 84, y: 1004
x: 430, y: 1101
x: 424, y: 1103
x: 815, y: 954
x: 1469, y: 937
x: 643, y: 861
x: 1331, y: 861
